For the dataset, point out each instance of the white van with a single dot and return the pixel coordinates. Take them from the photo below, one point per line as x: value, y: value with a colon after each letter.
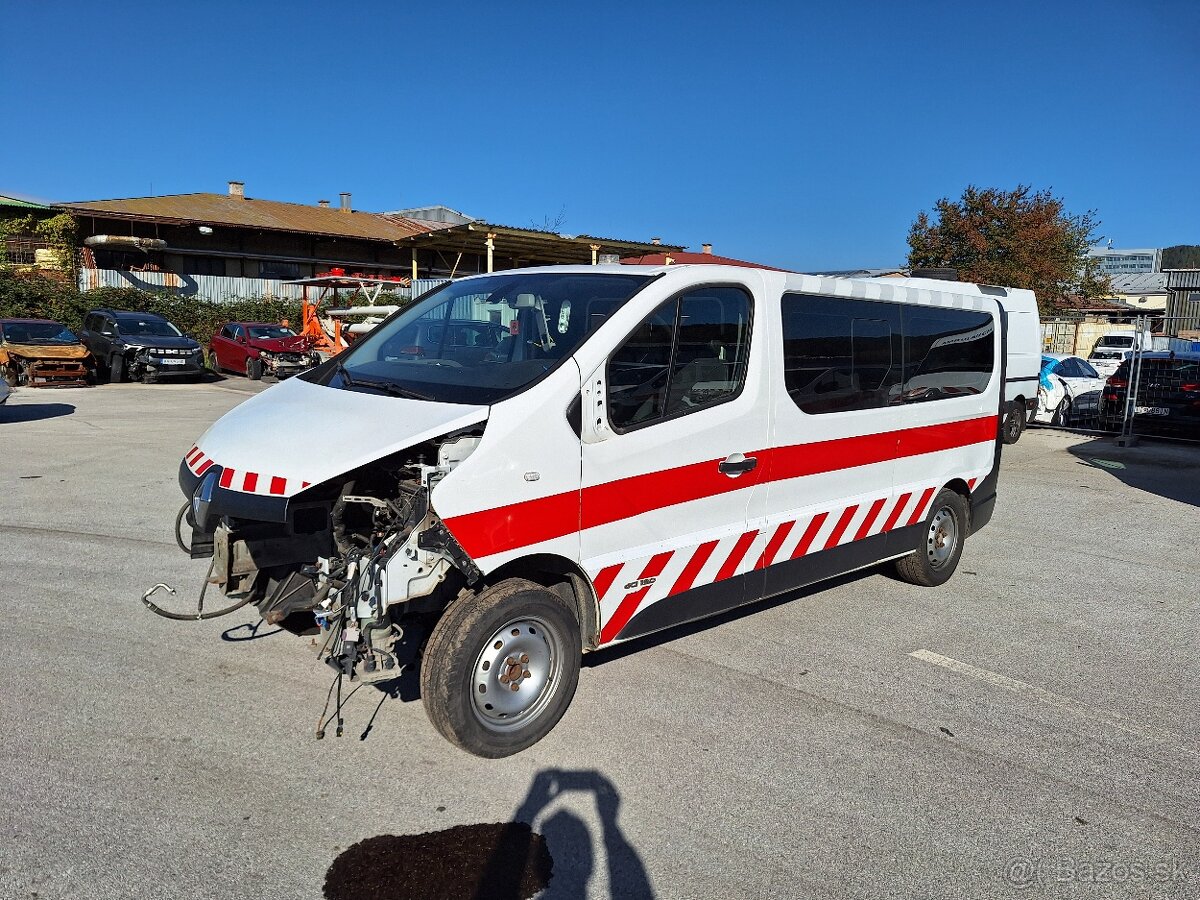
x: 524, y: 466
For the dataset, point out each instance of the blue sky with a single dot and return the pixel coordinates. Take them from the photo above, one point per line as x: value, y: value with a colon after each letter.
x: 795, y: 134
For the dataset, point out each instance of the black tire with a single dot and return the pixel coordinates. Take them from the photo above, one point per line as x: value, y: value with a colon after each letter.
x: 12, y: 377
x: 1014, y: 424
x: 254, y: 369
x: 116, y: 369
x: 210, y: 362
x: 932, y: 565
x: 516, y: 621
x: 1062, y: 412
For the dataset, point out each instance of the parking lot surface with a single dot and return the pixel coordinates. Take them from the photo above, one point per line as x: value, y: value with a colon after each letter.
x: 1032, y: 727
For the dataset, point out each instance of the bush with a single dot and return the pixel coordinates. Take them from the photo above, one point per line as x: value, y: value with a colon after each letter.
x: 40, y: 296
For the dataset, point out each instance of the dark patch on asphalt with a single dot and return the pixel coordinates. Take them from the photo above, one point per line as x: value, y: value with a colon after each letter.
x: 946, y: 731
x: 501, y: 861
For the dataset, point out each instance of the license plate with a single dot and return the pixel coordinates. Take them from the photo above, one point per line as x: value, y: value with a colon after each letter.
x: 166, y: 361
x: 1152, y: 411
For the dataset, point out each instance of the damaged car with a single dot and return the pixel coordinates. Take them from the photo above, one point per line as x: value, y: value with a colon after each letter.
x: 43, y: 353
x: 255, y: 349
x: 140, y: 346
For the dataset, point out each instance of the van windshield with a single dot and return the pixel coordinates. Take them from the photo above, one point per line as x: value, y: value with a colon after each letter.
x: 484, y: 339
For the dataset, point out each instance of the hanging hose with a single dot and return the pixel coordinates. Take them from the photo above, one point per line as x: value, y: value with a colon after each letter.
x: 186, y: 548
x: 200, y: 613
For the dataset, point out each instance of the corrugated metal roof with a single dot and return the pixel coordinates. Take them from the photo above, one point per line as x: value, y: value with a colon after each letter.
x: 1139, y: 283
x: 23, y: 204
x: 271, y: 215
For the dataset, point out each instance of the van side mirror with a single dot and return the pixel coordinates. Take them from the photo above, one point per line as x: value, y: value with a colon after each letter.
x: 594, y: 400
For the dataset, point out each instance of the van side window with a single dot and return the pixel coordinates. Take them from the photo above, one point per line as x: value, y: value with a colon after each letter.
x: 689, y: 354
x: 947, y: 352
x: 840, y: 354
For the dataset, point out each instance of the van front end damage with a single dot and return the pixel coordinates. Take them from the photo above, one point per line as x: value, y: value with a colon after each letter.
x: 363, y: 557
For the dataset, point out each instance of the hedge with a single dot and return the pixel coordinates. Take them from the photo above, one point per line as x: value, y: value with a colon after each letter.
x: 34, y: 295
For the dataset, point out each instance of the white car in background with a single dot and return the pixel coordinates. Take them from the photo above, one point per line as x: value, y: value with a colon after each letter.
x: 1068, y: 389
x: 1106, y: 360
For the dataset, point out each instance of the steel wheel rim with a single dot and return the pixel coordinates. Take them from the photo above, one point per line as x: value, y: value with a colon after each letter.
x: 942, y: 538
x: 524, y: 654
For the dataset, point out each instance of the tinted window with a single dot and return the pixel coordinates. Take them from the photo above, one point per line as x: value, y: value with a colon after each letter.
x: 688, y: 354
x: 1087, y: 370
x: 840, y: 354
x: 947, y: 352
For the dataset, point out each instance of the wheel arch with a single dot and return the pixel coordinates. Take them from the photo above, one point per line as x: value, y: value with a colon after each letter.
x: 565, y: 578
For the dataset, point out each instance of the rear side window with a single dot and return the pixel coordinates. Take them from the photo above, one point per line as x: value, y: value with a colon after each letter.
x: 947, y: 352
x: 689, y: 354
x: 840, y: 354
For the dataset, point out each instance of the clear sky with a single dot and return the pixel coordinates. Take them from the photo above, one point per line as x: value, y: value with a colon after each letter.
x: 803, y: 135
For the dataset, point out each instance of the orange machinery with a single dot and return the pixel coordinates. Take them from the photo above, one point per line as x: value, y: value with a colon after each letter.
x: 322, y: 324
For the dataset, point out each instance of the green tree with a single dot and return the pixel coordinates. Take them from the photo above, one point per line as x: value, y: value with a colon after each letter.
x: 1181, y: 256
x: 1020, y: 238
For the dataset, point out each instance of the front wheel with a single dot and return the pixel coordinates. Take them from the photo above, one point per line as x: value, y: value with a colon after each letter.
x: 116, y: 369
x: 941, y: 542
x: 501, y: 667
x: 254, y: 369
x: 1062, y: 412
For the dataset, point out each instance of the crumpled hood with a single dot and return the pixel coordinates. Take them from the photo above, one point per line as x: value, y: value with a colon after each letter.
x: 296, y: 434
x: 297, y: 344
x: 46, y: 351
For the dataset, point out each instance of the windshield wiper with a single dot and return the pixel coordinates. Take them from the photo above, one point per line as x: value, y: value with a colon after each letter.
x: 385, y: 387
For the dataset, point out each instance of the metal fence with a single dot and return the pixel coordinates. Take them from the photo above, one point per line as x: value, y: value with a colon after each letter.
x: 1151, y: 388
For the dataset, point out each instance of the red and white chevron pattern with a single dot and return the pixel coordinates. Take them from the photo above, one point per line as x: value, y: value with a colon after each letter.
x: 624, y: 588
x: 263, y: 484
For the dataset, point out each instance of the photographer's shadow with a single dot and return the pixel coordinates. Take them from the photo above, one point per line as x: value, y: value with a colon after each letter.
x: 570, y: 841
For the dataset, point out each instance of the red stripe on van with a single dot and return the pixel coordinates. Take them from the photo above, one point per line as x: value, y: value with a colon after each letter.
x: 250, y: 482
x: 503, y: 528
x: 809, y: 534
x: 773, y: 545
x: 278, y: 485
x: 971, y: 484
x: 204, y: 466
x: 693, y: 567
x: 193, y: 455
x: 226, y: 478
x: 872, y: 513
x: 840, y: 528
x: 604, y: 580
x: 629, y: 605
x: 921, y: 504
x: 895, y: 513
x: 735, y: 558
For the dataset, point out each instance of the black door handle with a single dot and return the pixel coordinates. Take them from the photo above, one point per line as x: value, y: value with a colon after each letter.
x: 736, y: 464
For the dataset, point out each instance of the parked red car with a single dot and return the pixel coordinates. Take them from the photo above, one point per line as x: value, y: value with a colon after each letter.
x: 258, y: 348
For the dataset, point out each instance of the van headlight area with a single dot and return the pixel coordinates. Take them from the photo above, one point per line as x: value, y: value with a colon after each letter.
x: 522, y: 467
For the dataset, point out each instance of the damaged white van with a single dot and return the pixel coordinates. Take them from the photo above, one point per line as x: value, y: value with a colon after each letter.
x: 522, y: 467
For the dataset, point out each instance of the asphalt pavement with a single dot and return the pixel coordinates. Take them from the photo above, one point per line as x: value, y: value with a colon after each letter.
x: 1031, y: 728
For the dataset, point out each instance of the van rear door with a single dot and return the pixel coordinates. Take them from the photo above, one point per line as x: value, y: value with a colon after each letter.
x: 667, y: 482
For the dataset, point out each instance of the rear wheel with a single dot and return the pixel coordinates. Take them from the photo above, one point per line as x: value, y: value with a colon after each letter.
x: 501, y: 667
x: 1014, y: 424
x: 941, y: 543
x: 254, y: 369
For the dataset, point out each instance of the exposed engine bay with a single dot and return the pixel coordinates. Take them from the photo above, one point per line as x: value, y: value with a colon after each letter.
x: 364, y: 555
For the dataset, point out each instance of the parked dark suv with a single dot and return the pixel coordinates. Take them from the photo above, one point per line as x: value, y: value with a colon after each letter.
x: 140, y: 345
x: 1168, y: 395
